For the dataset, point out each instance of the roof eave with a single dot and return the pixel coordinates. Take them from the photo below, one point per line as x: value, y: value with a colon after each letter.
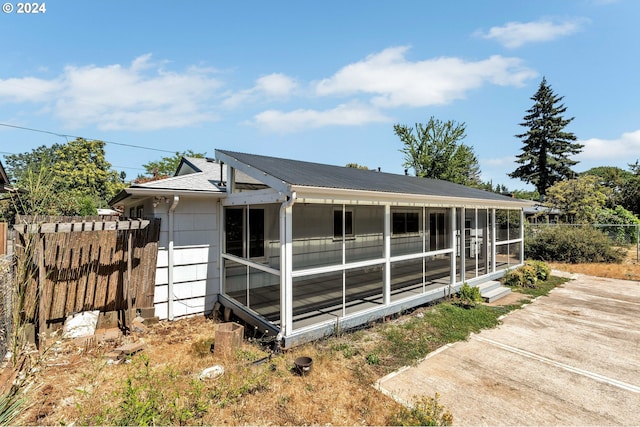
x: 343, y: 195
x: 151, y: 192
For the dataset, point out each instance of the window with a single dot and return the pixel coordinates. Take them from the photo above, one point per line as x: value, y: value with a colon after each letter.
x: 405, y: 222
x: 236, y: 232
x: 337, y: 223
x: 439, y: 231
x: 256, y: 233
x: 233, y: 230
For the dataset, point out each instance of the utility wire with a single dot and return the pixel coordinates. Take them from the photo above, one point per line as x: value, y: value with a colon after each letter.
x: 62, y: 135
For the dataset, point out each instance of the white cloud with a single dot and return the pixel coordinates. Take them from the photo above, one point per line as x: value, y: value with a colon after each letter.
x: 394, y: 81
x: 272, y: 86
x: 142, y: 96
x: 276, y: 84
x: 516, y: 34
x: 28, y: 89
x: 626, y: 148
x: 343, y: 115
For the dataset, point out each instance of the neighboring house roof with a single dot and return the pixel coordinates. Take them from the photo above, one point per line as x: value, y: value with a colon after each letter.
x: 106, y: 212
x: 315, y: 175
x: 4, y: 181
x: 194, y: 176
x: 540, y: 209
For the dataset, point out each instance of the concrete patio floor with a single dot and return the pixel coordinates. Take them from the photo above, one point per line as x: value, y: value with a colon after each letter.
x: 571, y: 358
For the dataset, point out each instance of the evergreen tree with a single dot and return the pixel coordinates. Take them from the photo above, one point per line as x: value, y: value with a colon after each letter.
x: 546, y: 145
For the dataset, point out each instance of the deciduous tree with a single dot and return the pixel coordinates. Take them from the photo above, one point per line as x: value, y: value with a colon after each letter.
x: 64, y: 179
x: 434, y: 150
x: 630, y: 194
x: 167, y: 166
x: 580, y: 199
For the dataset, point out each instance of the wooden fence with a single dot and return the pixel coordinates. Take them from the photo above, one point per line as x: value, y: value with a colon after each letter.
x: 3, y: 238
x: 74, y: 264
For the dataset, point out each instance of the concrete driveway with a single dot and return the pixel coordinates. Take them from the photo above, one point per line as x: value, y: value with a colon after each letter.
x: 571, y: 358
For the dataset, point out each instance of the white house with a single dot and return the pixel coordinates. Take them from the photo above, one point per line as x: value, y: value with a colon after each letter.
x: 300, y: 249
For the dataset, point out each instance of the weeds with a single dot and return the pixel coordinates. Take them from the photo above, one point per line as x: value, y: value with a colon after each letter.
x: 425, y: 412
x: 167, y: 397
x: 154, y: 397
x: 542, y: 288
x: 346, y: 349
x: 408, y: 342
x: 11, y: 405
x: 373, y: 359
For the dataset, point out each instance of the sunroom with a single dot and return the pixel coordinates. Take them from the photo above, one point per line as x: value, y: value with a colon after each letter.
x: 325, y: 248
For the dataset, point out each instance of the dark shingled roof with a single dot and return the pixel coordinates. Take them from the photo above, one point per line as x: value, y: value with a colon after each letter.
x: 310, y: 174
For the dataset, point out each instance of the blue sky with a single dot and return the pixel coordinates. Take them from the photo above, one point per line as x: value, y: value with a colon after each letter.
x: 320, y: 81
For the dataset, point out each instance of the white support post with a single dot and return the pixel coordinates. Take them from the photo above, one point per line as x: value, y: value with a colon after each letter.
x: 463, y: 244
x: 221, y: 246
x: 424, y: 248
x: 387, y: 255
x: 231, y: 180
x: 522, y: 236
x: 344, y: 257
x: 454, y: 243
x: 493, y: 240
x: 475, y: 241
x: 245, y: 239
x: 289, y: 268
x: 286, y: 266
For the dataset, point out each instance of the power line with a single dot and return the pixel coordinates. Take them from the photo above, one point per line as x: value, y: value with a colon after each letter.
x: 62, y: 135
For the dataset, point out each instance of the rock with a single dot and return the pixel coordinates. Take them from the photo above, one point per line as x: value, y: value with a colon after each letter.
x: 80, y: 325
x: 211, y: 373
x: 138, y: 327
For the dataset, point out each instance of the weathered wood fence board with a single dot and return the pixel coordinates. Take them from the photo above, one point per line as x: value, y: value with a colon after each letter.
x: 85, y: 264
x: 3, y: 238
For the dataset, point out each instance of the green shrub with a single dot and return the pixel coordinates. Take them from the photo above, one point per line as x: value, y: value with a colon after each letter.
x: 512, y: 278
x: 571, y: 244
x: 543, y: 271
x: 620, y: 224
x: 469, y: 295
x: 529, y: 276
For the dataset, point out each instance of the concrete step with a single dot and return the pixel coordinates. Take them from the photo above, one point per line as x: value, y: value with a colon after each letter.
x: 489, y: 286
x: 495, y: 294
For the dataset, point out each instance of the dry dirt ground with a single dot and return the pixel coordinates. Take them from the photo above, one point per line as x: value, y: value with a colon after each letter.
x: 627, y: 270
x: 74, y: 384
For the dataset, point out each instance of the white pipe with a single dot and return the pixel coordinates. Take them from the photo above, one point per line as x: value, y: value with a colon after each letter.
x: 172, y: 208
x: 285, y: 268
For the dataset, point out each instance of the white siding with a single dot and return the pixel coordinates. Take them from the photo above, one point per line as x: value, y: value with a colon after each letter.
x: 196, y: 278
